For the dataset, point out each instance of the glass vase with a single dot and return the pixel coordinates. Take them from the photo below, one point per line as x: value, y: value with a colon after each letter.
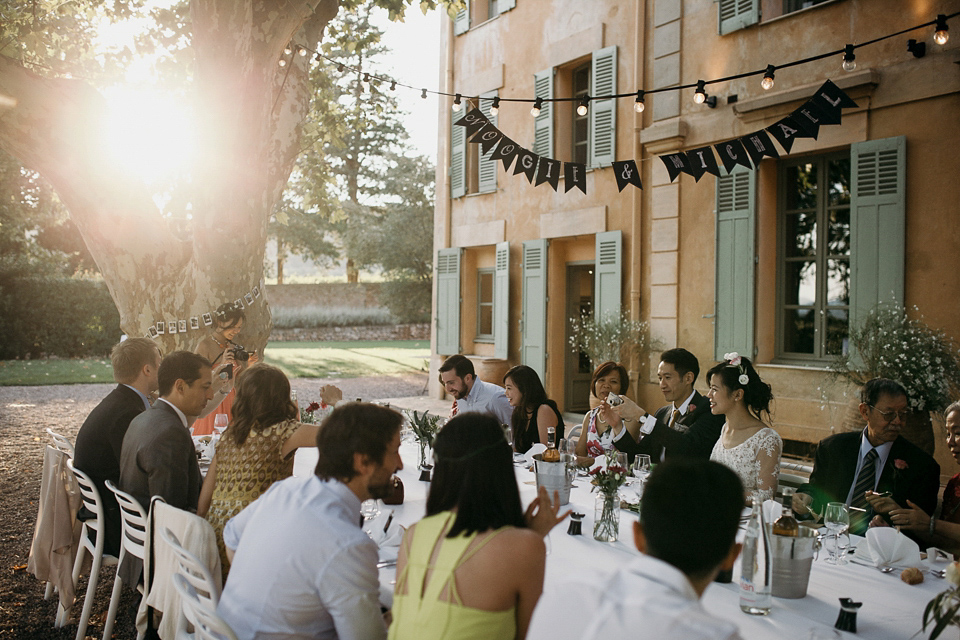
x: 424, y: 455
x: 606, y: 517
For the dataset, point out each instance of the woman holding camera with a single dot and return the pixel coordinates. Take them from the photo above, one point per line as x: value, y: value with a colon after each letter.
x: 222, y: 353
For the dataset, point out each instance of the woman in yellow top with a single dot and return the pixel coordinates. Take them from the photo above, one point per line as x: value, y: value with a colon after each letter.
x: 473, y: 568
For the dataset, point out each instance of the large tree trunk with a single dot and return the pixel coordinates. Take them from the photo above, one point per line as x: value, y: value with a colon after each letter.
x: 251, y: 116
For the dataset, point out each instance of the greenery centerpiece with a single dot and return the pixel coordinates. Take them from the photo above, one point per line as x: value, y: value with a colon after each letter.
x: 942, y: 610
x: 425, y: 427
x: 607, y: 482
x: 611, y: 336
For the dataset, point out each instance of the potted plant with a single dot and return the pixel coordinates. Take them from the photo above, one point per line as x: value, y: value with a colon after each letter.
x: 425, y: 427
x: 891, y: 344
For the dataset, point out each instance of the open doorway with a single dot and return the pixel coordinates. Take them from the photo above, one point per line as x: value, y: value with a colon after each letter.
x: 577, y: 371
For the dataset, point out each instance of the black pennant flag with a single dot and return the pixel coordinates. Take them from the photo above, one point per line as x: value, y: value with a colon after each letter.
x: 785, y: 131
x: 526, y: 164
x: 549, y: 171
x: 809, y: 117
x: 702, y: 161
x: 506, y: 152
x: 489, y: 137
x: 627, y: 173
x: 473, y: 121
x: 758, y: 144
x: 574, y: 175
x: 732, y: 154
x: 834, y: 96
x: 675, y: 163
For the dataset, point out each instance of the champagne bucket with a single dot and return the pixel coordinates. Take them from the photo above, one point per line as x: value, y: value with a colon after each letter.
x: 554, y: 477
x: 792, y: 558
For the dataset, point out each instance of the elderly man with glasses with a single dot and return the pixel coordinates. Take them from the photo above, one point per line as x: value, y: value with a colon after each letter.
x: 878, y: 459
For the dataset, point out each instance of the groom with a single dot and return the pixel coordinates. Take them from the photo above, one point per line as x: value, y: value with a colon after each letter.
x: 685, y: 427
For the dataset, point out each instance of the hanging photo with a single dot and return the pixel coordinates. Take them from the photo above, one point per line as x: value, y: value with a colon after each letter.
x: 152, y: 332
x: 256, y: 292
x: 207, y: 320
x: 172, y: 327
x: 160, y: 327
x: 194, y: 323
x: 238, y: 304
x: 182, y: 326
x: 249, y: 299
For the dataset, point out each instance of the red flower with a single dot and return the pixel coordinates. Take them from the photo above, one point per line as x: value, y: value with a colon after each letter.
x: 594, y: 471
x: 313, y: 406
x: 616, y: 469
x: 900, y: 464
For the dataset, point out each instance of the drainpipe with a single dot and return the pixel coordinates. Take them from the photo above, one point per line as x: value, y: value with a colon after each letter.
x: 636, y: 238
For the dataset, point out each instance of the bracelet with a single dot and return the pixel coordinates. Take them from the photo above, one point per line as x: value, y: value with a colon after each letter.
x: 933, y: 524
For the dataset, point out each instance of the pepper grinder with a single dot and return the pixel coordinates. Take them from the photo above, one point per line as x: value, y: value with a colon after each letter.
x: 847, y: 620
x: 575, y: 524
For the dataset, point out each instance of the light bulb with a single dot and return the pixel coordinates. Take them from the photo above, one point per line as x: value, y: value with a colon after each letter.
x: 535, y: 109
x: 393, y: 85
x: 189, y: 216
x: 366, y: 77
x: 495, y: 107
x: 340, y: 68
x: 287, y: 50
x: 942, y: 33
x: 282, y: 62
x: 767, y: 82
x: 302, y: 52
x: 638, y: 106
x: 849, y: 58
x: 456, y: 103
x: 701, y: 93
x: 582, y: 109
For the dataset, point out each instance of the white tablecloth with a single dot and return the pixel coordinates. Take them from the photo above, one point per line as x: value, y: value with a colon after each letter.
x: 891, y: 608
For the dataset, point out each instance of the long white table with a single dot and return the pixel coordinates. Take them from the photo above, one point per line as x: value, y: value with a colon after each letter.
x: 891, y: 608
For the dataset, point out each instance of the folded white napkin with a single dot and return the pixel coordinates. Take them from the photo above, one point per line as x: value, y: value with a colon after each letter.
x: 771, y: 510
x: 532, y: 451
x: 885, y: 546
x: 384, y: 539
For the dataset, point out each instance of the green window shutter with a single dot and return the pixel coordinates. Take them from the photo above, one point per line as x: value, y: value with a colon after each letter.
x: 505, y: 5
x: 543, y: 123
x: 458, y: 159
x: 461, y: 23
x: 448, y: 301
x: 877, y: 224
x: 603, y: 113
x: 501, y: 302
x: 737, y: 14
x: 608, y: 274
x: 534, y: 344
x: 487, y: 170
x: 736, y: 221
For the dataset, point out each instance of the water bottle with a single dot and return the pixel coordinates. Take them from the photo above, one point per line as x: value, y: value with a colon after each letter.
x: 756, y: 569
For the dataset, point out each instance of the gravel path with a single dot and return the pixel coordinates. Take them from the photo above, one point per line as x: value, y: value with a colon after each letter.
x: 25, y: 413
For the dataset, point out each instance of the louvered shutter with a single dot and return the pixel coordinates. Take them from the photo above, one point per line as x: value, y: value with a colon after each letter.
x: 505, y: 5
x: 737, y: 14
x: 543, y: 123
x: 448, y: 301
x: 461, y: 23
x: 608, y: 274
x: 736, y: 220
x: 458, y: 159
x: 487, y: 170
x: 603, y: 113
x: 501, y: 302
x: 534, y: 343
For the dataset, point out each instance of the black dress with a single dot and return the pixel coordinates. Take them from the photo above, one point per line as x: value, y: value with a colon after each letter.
x: 526, y: 433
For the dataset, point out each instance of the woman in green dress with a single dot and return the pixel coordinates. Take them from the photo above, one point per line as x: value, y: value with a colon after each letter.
x: 473, y: 568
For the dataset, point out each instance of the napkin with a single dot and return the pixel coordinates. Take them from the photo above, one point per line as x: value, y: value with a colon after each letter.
x: 532, y: 451
x: 771, y: 510
x: 885, y: 546
x: 389, y: 540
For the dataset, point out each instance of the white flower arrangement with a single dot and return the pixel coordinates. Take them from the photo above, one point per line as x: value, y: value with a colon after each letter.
x: 614, y: 337
x: 733, y: 359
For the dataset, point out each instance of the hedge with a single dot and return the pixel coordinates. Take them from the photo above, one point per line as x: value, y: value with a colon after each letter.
x: 63, y: 317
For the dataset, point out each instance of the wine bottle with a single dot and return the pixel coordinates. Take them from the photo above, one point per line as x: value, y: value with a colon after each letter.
x: 551, y: 454
x: 786, y: 524
x: 756, y: 569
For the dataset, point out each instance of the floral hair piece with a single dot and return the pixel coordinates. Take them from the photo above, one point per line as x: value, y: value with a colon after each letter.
x: 734, y: 361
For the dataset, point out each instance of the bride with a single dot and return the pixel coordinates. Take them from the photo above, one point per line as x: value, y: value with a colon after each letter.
x: 746, y: 445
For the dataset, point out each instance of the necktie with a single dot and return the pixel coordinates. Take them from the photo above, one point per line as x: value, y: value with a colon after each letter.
x: 453, y: 409
x: 674, y: 418
x: 865, y: 482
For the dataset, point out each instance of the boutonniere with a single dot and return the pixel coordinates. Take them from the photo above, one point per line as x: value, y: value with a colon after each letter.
x: 899, y: 467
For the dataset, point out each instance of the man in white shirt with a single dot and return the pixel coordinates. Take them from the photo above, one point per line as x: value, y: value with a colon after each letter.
x: 301, y: 565
x: 657, y: 595
x: 470, y: 393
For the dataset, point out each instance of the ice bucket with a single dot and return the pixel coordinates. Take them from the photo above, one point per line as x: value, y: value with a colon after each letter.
x: 554, y: 477
x: 792, y: 558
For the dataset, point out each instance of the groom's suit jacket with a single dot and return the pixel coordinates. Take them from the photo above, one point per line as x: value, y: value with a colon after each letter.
x: 698, y: 431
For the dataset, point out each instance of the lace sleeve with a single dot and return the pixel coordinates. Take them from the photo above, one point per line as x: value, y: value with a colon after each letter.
x: 768, y: 463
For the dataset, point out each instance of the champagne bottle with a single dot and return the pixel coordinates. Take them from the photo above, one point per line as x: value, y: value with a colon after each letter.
x: 756, y: 569
x: 786, y: 524
x: 551, y: 454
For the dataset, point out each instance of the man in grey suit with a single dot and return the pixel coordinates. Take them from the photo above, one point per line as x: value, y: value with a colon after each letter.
x: 158, y: 457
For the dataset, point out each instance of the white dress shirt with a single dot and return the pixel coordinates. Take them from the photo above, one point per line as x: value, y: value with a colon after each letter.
x: 303, y: 567
x: 646, y: 598
x: 883, y: 452
x: 485, y: 397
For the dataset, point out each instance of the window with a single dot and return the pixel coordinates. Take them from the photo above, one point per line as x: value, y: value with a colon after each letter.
x: 789, y: 6
x: 814, y: 256
x: 581, y: 123
x: 477, y: 12
x: 472, y: 171
x: 484, y: 305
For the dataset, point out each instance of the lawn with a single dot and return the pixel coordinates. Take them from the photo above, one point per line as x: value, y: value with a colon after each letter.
x: 296, y: 359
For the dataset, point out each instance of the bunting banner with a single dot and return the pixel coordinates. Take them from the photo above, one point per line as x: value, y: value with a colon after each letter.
x: 823, y: 108
x: 184, y: 325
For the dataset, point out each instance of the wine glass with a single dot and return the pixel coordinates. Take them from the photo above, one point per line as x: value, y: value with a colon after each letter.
x: 220, y: 423
x: 370, y: 509
x: 508, y: 433
x: 837, y: 520
x: 641, y: 466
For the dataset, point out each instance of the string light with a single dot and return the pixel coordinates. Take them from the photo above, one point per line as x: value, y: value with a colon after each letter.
x: 366, y: 77
x: 456, y: 104
x: 287, y: 50
x: 282, y: 62
x: 340, y: 68
x: 638, y: 106
x: 393, y: 85
x: 495, y: 107
x: 318, y: 57
x: 582, y: 108
x: 701, y: 93
x: 918, y: 49
x: 849, y: 59
x: 942, y: 33
x: 301, y: 51
x: 535, y: 109
x: 767, y: 82
x: 423, y: 94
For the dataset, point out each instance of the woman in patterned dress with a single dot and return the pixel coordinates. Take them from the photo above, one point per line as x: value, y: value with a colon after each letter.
x: 596, y: 436
x: 746, y: 445
x: 257, y: 448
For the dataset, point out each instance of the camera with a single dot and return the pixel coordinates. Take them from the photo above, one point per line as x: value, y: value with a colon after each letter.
x: 613, y: 399
x: 239, y: 354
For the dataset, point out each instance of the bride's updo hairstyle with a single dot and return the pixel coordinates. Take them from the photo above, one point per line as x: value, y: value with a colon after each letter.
x: 736, y: 372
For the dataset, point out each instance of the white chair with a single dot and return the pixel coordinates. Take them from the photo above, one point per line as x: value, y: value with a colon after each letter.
x: 62, y: 443
x: 91, y: 528
x: 206, y: 623
x: 194, y: 572
x: 133, y: 539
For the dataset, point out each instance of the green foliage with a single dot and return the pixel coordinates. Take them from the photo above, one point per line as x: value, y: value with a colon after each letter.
x: 891, y: 344
x: 613, y: 337
x: 348, y: 359
x: 55, y: 371
x: 315, y: 315
x: 67, y: 317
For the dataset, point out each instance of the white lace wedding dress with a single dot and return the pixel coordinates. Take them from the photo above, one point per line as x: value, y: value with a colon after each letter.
x: 756, y: 460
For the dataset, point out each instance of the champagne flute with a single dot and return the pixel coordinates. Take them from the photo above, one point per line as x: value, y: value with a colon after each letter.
x: 837, y: 519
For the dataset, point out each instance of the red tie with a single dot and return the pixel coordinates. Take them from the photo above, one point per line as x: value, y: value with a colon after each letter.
x: 453, y: 409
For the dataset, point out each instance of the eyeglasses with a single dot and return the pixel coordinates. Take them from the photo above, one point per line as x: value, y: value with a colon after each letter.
x: 890, y: 415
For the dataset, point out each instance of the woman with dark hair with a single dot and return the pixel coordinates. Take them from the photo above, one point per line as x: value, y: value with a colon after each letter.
x: 746, y: 445
x: 257, y: 448
x: 218, y: 348
x: 533, y: 412
x: 596, y: 434
x: 472, y: 569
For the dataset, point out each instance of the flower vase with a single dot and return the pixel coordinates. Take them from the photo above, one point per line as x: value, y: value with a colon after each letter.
x: 606, y: 517
x: 425, y: 466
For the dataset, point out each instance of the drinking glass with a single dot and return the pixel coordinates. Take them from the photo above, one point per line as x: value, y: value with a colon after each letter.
x: 220, y: 423
x: 508, y: 434
x: 641, y: 465
x: 370, y: 509
x: 619, y: 459
x: 293, y: 398
x: 837, y: 519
